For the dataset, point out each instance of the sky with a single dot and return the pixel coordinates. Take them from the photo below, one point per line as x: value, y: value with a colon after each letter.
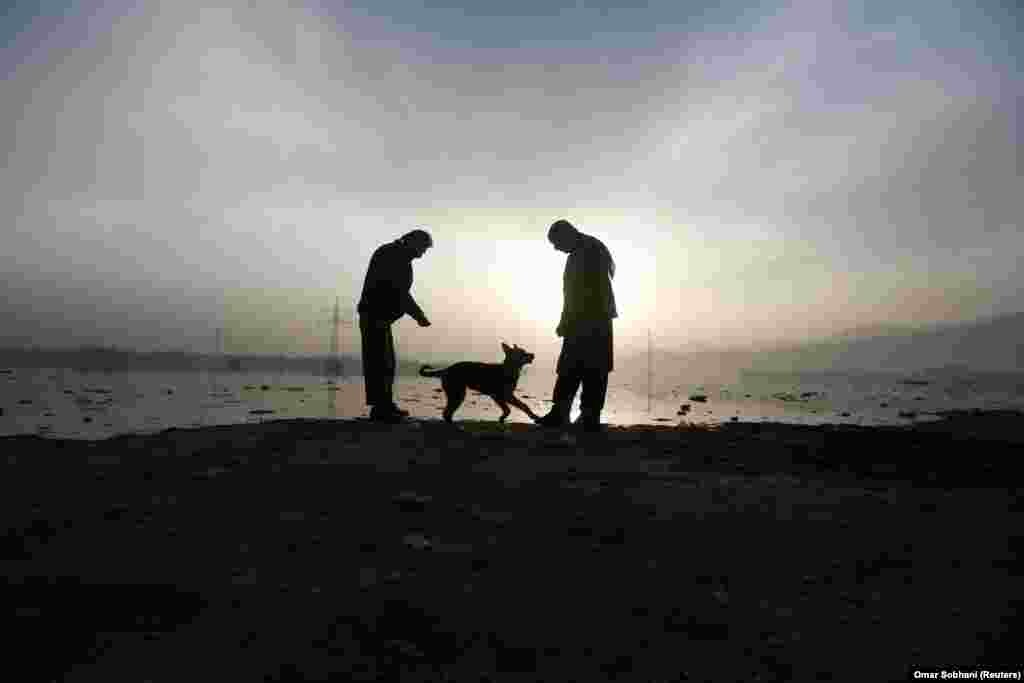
x: 761, y: 172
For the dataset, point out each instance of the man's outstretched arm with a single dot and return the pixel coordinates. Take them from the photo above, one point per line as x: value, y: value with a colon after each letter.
x: 410, y: 306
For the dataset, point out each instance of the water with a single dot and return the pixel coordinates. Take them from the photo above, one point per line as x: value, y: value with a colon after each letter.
x: 68, y: 403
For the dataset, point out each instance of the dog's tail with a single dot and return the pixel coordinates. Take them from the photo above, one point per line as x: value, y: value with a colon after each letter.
x: 426, y: 371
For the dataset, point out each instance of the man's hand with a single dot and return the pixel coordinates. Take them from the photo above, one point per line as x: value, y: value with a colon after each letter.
x: 423, y: 322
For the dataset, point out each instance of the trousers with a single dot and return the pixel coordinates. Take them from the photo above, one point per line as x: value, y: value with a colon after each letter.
x: 379, y: 363
x: 595, y: 389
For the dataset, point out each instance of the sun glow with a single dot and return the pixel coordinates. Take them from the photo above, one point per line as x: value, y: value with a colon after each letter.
x: 531, y: 291
x: 634, y: 286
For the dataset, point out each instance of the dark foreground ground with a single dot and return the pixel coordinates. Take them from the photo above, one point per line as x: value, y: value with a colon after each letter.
x: 350, y: 551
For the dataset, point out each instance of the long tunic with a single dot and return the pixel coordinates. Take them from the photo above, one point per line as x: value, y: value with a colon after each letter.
x: 588, y: 309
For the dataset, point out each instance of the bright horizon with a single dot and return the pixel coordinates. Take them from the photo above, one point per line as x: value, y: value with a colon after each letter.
x: 761, y: 173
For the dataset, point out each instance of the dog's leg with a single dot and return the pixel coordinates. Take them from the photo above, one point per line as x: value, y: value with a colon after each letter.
x: 522, y: 406
x: 455, y: 395
x: 504, y: 408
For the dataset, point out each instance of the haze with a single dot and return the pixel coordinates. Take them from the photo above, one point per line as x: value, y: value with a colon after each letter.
x: 761, y: 173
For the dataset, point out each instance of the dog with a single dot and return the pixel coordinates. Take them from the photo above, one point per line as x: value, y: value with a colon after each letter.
x: 497, y: 380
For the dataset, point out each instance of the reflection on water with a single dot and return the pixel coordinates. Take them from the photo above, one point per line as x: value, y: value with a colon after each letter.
x: 91, y: 405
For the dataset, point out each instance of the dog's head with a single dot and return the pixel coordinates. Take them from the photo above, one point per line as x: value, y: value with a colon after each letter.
x: 515, y: 355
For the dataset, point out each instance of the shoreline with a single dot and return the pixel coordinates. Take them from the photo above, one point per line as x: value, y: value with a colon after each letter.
x: 343, y: 548
x: 78, y: 408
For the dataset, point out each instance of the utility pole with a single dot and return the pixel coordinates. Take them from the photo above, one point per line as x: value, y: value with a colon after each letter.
x: 648, y: 370
x: 334, y: 366
x: 218, y: 360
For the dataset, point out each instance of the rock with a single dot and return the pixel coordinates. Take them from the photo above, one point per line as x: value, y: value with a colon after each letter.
x: 411, y: 501
x: 417, y: 541
x: 367, y: 577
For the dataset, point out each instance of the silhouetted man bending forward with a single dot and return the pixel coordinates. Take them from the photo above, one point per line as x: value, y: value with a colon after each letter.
x: 385, y: 299
x: 585, y: 327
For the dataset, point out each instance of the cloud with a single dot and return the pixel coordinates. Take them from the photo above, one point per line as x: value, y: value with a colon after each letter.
x: 809, y: 123
x: 187, y: 150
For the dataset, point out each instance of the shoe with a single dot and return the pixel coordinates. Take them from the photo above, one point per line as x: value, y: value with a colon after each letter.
x: 588, y: 424
x: 386, y: 416
x: 552, y: 419
x: 394, y: 410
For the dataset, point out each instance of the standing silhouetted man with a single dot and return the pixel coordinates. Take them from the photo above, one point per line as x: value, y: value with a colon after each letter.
x: 585, y: 327
x: 385, y: 299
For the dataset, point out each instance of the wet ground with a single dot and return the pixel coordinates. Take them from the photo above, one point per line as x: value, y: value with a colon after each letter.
x: 344, y: 550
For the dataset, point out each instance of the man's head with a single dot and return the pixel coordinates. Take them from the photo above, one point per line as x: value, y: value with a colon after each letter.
x: 563, y: 236
x: 417, y: 242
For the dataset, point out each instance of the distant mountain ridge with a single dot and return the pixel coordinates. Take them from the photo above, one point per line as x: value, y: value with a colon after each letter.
x: 993, y: 344
x: 100, y: 358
